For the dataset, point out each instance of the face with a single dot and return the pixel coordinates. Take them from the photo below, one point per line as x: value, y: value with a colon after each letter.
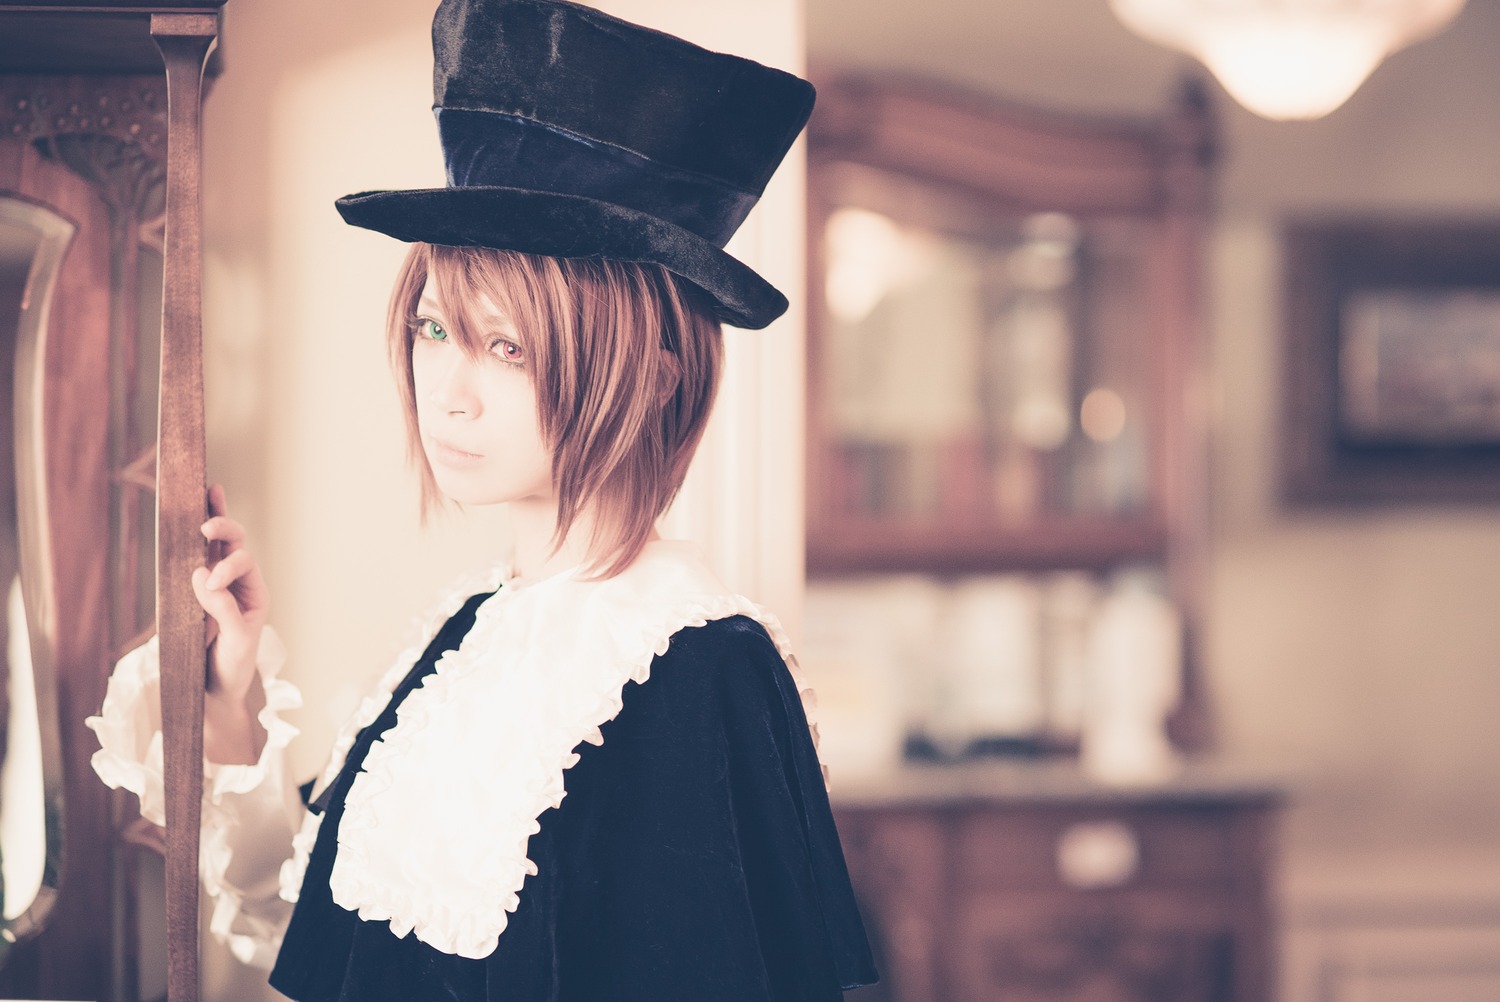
x: 477, y: 415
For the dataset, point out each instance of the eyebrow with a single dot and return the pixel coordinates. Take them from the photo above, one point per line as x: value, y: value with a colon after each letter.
x: 426, y: 304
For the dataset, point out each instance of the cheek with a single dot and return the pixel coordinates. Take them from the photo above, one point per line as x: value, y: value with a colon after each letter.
x: 509, y: 393
x: 512, y: 424
x: 510, y: 402
x: 426, y: 366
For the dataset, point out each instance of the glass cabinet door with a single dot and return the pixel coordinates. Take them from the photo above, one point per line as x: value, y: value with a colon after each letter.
x: 990, y: 385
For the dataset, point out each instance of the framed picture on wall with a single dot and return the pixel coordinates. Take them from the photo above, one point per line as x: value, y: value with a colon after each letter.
x: 1392, y: 348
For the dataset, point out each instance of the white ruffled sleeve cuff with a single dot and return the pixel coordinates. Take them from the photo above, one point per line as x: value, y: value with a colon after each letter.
x: 129, y: 729
x: 249, y: 811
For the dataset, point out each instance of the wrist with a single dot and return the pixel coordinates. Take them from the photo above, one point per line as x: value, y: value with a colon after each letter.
x: 233, y: 672
x: 232, y: 732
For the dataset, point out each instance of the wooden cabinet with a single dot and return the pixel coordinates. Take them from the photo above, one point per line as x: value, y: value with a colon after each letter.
x: 1004, y: 333
x: 99, y: 291
x: 1006, y: 373
x: 1006, y: 364
x: 1019, y: 883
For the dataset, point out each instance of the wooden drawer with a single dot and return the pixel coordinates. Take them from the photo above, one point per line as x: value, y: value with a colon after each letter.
x: 1057, y: 848
x: 976, y: 893
x: 1047, y: 950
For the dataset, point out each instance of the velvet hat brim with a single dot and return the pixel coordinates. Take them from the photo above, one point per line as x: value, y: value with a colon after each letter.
x: 563, y: 225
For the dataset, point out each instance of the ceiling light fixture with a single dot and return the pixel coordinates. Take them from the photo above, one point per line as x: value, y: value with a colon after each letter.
x: 1288, y: 59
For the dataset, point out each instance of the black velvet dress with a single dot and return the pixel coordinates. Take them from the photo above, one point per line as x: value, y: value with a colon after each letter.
x: 694, y: 857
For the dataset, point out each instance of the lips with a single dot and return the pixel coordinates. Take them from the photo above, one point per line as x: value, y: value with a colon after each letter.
x: 449, y: 454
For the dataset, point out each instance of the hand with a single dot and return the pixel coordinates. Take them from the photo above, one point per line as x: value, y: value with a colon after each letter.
x: 233, y: 593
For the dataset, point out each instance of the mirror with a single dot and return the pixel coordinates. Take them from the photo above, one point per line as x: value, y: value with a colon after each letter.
x: 32, y: 242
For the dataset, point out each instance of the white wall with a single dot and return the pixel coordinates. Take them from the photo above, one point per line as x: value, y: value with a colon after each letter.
x: 318, y: 100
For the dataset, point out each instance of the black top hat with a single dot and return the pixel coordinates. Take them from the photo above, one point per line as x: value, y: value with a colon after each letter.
x: 570, y: 133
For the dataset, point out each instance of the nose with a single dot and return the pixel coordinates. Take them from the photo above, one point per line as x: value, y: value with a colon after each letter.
x: 448, y: 383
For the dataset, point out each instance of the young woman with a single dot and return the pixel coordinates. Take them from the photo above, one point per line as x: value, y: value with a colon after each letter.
x: 593, y: 778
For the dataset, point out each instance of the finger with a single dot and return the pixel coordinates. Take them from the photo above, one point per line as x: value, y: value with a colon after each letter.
x: 217, y: 507
x: 229, y: 570
x: 224, y: 529
x: 239, y: 574
x: 217, y: 602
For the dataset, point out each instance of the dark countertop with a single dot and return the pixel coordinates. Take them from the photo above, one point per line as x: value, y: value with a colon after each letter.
x: 1203, y: 782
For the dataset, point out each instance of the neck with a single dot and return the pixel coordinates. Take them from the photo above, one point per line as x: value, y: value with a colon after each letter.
x: 533, y: 522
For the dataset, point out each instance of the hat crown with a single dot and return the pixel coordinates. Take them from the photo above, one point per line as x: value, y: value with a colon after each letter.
x: 570, y: 133
x: 575, y: 69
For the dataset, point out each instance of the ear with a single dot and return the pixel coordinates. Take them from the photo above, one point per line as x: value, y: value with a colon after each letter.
x: 668, y: 376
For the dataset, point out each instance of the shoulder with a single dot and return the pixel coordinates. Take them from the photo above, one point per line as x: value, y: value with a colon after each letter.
x: 731, y: 637
x: 730, y: 663
x: 719, y: 653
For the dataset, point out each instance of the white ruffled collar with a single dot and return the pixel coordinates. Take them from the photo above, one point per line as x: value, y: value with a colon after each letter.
x: 543, y: 666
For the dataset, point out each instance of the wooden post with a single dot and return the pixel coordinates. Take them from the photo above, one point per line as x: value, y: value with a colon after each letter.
x: 185, y: 41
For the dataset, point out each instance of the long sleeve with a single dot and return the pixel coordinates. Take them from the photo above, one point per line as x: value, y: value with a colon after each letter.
x: 250, y: 812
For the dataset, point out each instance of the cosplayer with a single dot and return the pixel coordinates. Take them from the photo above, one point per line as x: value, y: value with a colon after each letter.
x: 593, y: 778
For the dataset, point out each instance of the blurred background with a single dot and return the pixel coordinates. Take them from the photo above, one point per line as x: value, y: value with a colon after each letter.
x: 1346, y: 651
x: 1156, y: 660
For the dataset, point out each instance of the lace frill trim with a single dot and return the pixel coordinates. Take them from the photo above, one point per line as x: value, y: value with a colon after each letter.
x: 460, y: 904
x: 129, y: 730
x: 425, y: 628
x: 130, y: 757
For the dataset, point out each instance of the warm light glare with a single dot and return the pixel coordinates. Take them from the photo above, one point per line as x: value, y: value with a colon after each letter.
x: 1041, y: 422
x: 1288, y: 59
x: 1297, y: 72
x: 865, y: 258
x: 1102, y: 415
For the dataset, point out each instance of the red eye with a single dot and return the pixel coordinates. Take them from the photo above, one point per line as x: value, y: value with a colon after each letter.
x: 508, y: 351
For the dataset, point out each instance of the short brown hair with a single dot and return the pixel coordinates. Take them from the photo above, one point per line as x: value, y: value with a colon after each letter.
x: 625, y: 359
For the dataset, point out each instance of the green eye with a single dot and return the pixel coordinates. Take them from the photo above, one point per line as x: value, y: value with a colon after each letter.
x: 430, y: 330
